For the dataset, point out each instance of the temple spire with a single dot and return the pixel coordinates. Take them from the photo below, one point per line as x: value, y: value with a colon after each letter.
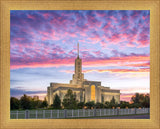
x: 78, y: 50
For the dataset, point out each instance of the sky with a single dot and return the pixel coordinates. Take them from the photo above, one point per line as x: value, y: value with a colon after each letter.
x: 114, y: 48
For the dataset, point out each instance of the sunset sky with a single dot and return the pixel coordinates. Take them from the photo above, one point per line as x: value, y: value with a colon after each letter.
x: 114, y: 48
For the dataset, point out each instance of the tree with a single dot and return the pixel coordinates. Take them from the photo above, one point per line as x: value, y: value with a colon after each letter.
x: 80, y: 105
x: 25, y: 102
x: 124, y: 104
x: 90, y: 104
x: 102, y: 98
x: 140, y: 100
x: 57, y: 102
x: 44, y: 104
x: 69, y: 101
x: 107, y: 104
x: 14, y: 103
x: 146, y: 101
x: 135, y: 98
x: 35, y: 103
x: 99, y: 105
x: 113, y: 101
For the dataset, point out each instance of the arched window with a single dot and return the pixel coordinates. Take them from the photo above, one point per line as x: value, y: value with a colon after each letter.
x: 93, y: 93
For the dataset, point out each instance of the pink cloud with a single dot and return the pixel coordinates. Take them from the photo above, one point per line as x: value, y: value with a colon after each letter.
x: 132, y: 40
x: 31, y: 16
x: 92, y: 22
x: 143, y: 43
x: 107, y: 26
x: 135, y: 90
x: 103, y: 44
x: 52, y: 63
x: 117, y: 70
x: 114, y: 18
x: 144, y: 64
x: 126, y: 97
x: 113, y: 61
x: 46, y: 15
x: 95, y: 39
x: 49, y: 35
x: 97, y: 52
x: 130, y: 44
x: 145, y: 17
x: 18, y: 39
x: 126, y: 94
x: 100, y: 14
x: 111, y: 70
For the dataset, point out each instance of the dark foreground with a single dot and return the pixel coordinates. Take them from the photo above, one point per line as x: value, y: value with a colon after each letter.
x: 123, y: 117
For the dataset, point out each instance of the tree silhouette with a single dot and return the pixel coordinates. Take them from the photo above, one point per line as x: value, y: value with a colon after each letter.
x: 57, y: 102
x: 113, y: 101
x: 69, y: 101
x: 44, y: 103
x: 25, y: 102
x: 141, y: 100
x: 14, y: 103
x: 90, y: 104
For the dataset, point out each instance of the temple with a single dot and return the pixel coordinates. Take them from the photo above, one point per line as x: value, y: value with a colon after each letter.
x: 84, y: 90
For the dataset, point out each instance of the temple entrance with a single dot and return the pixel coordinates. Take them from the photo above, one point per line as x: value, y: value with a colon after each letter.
x: 93, y: 93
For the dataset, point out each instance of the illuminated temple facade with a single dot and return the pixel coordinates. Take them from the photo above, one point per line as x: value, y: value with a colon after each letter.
x: 84, y: 90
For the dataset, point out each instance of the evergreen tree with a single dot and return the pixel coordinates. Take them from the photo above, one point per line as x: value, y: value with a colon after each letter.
x: 69, y: 101
x: 25, y: 102
x: 112, y: 102
x: 14, y: 103
x: 44, y: 104
x: 57, y: 102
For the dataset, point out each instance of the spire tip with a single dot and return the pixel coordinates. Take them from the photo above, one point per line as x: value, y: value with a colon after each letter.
x: 78, y: 49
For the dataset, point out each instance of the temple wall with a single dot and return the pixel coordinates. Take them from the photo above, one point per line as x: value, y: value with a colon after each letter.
x: 81, y: 95
x: 108, y: 96
x: 98, y: 94
x: 87, y: 93
x: 56, y: 85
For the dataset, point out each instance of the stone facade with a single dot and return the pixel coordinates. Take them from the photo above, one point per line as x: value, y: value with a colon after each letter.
x: 85, y: 90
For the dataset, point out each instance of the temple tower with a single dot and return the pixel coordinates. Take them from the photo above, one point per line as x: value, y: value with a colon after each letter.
x: 78, y: 76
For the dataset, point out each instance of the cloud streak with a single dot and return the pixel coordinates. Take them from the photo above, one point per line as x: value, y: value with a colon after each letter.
x: 111, y: 70
x: 55, y: 60
x: 19, y: 91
